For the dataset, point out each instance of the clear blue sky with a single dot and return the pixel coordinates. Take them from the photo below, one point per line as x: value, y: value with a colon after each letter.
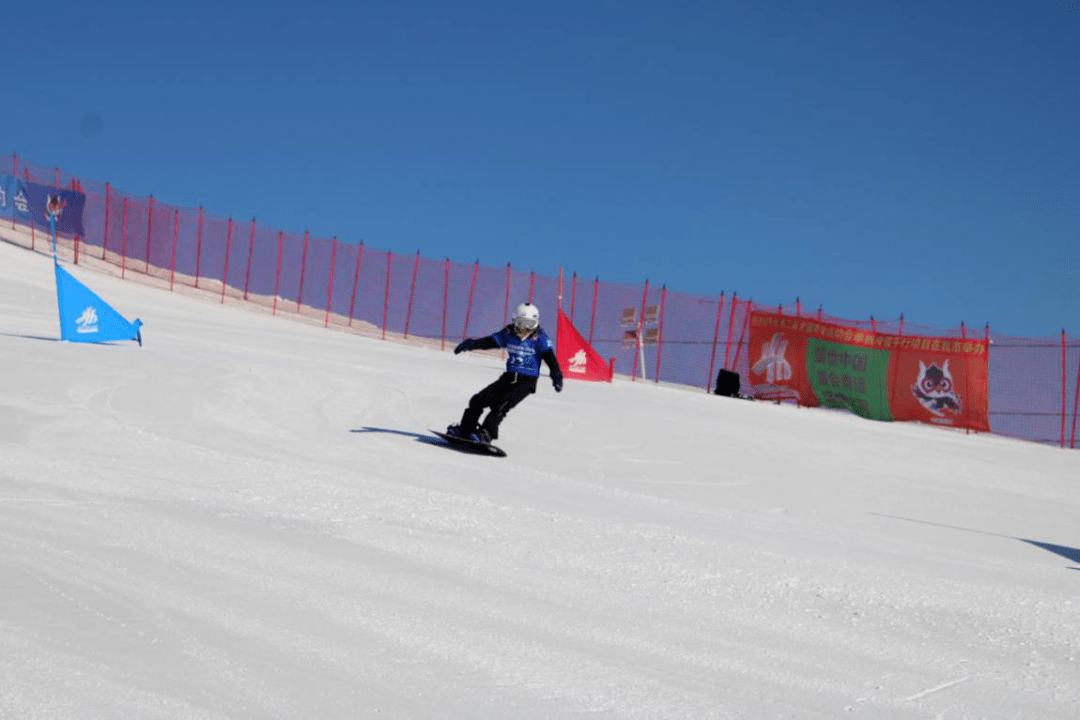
x: 917, y: 157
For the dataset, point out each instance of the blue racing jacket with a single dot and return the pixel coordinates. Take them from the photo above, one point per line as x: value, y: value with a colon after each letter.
x: 523, y: 355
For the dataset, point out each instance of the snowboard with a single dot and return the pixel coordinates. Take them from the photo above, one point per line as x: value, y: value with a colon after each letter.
x: 467, y: 445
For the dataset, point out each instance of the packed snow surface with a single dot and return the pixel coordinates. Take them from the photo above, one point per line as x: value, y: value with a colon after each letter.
x: 247, y: 518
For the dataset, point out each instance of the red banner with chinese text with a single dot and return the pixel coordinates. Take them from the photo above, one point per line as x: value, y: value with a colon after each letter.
x: 878, y: 376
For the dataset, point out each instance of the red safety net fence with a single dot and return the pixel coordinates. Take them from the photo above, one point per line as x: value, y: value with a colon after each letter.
x: 649, y: 332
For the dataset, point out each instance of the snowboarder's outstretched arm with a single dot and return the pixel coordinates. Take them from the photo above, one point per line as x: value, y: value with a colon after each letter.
x: 484, y: 343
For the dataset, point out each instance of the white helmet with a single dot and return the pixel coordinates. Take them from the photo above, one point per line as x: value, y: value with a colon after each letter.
x: 526, y: 317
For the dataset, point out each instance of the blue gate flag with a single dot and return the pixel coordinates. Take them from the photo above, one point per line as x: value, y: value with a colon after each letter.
x: 85, y: 317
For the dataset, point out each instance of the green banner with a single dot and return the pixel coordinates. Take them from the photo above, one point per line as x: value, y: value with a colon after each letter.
x: 849, y: 377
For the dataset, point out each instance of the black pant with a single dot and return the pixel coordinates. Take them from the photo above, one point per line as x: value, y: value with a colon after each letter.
x: 501, y: 396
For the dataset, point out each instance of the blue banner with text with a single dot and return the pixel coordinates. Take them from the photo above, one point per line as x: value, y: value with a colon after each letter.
x: 29, y: 202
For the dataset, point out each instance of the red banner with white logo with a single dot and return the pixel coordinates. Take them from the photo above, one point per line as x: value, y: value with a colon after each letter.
x: 876, y: 375
x: 576, y: 357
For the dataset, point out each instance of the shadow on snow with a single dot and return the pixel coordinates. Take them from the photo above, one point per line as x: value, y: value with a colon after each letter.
x: 30, y: 337
x: 419, y: 437
x: 1071, y: 554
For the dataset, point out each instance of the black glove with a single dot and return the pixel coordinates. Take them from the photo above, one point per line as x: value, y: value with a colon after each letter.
x: 556, y: 380
x: 463, y: 346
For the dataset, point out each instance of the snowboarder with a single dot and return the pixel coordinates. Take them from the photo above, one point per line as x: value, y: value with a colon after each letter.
x: 527, y: 344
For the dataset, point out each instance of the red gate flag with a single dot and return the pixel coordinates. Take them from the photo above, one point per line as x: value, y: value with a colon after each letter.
x: 878, y: 376
x: 576, y: 357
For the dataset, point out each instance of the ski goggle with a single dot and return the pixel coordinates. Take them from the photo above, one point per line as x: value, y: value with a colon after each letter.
x: 526, y: 323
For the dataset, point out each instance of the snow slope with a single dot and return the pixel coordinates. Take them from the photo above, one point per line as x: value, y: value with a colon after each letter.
x: 246, y: 518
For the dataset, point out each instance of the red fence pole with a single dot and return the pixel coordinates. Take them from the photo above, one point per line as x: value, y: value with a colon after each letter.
x: 76, y: 188
x: 445, y: 301
x: 251, y: 254
x: 660, y: 333
x: 592, y: 318
x: 730, y: 328
x: 1076, y: 403
x: 225, y: 274
x: 105, y: 239
x: 532, y: 283
x: 277, y: 275
x: 892, y: 383
x: 149, y: 231
x: 386, y: 296
x: 967, y: 383
x: 640, y: 329
x: 123, y: 251
x: 742, y: 333
x: 506, y: 305
x: 412, y: 293
x: 715, y: 339
x: 172, y: 262
x: 303, y: 270
x: 356, y: 282
x: 506, y: 301
x: 198, y: 251
x: 330, y: 285
x: 1063, y: 404
x: 986, y: 351
x: 468, y: 308
x: 573, y: 297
